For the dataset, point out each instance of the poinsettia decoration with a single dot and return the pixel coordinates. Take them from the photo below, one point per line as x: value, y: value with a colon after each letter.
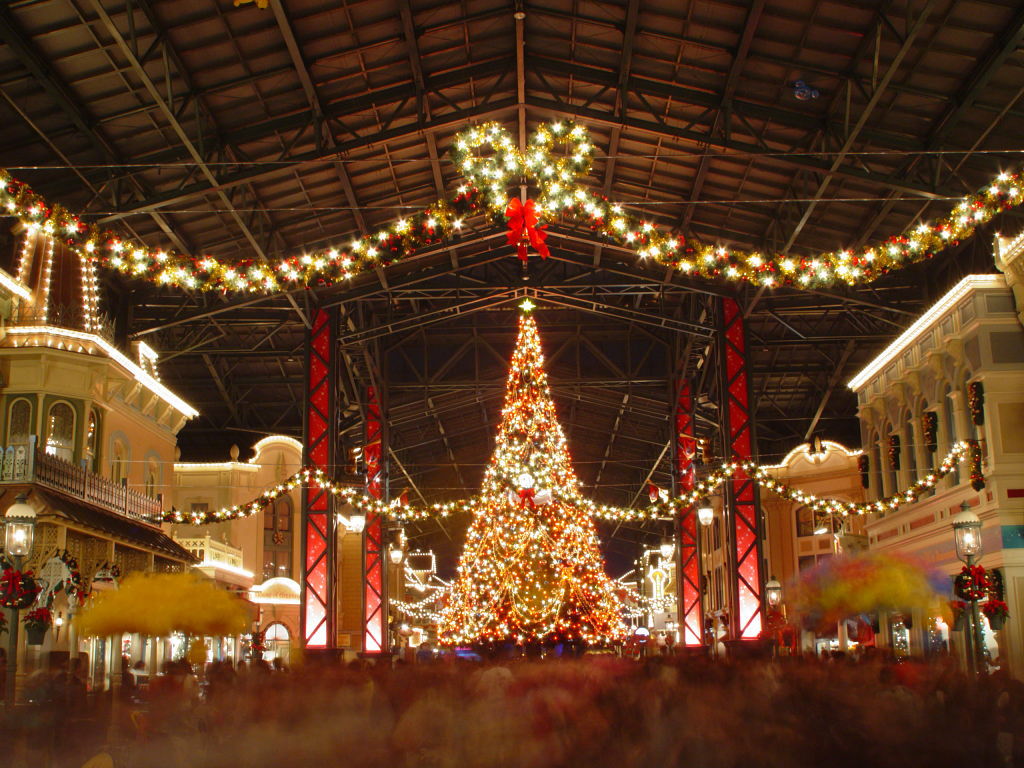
x: 995, y: 609
x: 40, y: 618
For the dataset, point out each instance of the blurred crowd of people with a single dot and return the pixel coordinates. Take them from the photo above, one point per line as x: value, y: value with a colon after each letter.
x: 593, y: 711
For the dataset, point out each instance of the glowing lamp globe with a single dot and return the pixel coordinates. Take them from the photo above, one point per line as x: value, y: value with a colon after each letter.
x: 396, y: 554
x: 525, y: 480
x: 667, y: 548
x: 705, y: 513
x: 967, y: 534
x: 773, y: 593
x: 19, y: 531
x: 357, y: 522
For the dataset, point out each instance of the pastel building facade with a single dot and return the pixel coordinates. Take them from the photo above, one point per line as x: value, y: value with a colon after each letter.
x: 956, y: 374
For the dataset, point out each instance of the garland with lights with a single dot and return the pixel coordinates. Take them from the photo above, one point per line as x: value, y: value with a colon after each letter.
x: 559, y: 153
x: 976, y: 402
x: 668, y: 508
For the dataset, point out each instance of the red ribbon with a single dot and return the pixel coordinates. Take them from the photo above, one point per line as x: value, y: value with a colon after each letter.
x: 523, y: 230
x: 526, y: 498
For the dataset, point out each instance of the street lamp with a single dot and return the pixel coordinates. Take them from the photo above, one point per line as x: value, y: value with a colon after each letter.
x: 19, y: 534
x: 20, y: 529
x: 967, y: 537
x: 396, y: 553
x: 666, y: 548
x: 773, y: 593
x: 705, y: 512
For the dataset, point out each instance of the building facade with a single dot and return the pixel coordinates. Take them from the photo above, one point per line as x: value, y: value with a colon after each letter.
x: 956, y: 374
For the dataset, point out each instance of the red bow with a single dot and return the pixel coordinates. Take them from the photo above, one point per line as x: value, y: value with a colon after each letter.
x: 523, y: 230
x: 526, y: 498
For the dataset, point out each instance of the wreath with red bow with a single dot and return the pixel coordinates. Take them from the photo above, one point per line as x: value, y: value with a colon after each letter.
x: 17, y: 588
x: 972, y: 583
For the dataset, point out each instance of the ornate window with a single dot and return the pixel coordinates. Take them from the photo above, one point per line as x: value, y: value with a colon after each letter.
x: 60, y: 432
x: 277, y: 538
x: 19, y: 425
x: 152, y: 472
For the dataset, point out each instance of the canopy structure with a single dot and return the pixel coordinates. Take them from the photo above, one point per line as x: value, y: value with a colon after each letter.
x: 247, y: 133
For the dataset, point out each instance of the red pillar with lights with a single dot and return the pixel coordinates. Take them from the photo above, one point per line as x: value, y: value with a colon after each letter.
x: 691, y: 617
x: 316, y: 614
x: 375, y: 635
x: 743, y: 501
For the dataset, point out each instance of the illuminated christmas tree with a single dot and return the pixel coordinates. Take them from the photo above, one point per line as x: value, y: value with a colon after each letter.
x: 532, y: 568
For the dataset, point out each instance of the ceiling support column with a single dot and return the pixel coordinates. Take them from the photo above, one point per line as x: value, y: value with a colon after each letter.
x: 742, y: 507
x: 319, y: 427
x: 688, y: 572
x: 375, y: 619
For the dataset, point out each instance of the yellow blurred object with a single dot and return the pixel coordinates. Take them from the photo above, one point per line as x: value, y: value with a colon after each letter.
x: 102, y: 760
x: 259, y: 3
x: 157, y: 604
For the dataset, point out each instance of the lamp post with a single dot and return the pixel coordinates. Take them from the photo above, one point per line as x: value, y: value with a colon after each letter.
x: 19, y: 534
x: 967, y: 537
x: 773, y: 593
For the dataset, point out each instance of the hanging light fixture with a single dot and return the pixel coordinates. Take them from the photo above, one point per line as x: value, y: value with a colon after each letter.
x: 773, y: 593
x: 705, y: 512
x: 20, y: 528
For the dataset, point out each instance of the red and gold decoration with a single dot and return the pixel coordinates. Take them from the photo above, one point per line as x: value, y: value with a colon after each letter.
x: 18, y: 589
x: 977, y: 477
x: 523, y: 231
x: 976, y: 402
x: 864, y: 467
x: 996, y: 611
x: 531, y: 569
x: 558, y: 156
x: 894, y: 452
x: 930, y: 430
x: 971, y: 583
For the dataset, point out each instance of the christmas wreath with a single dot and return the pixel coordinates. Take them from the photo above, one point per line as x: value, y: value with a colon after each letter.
x: 17, y: 588
x: 971, y: 583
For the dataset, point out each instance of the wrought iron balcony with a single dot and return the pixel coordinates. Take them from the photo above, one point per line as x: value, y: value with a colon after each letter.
x: 26, y: 463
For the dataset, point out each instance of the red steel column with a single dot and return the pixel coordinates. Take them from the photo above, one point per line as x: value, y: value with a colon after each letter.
x: 744, y: 502
x: 691, y: 616
x: 316, y: 613
x: 375, y: 635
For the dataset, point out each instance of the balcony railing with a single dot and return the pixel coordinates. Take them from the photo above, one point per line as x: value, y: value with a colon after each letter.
x: 25, y: 463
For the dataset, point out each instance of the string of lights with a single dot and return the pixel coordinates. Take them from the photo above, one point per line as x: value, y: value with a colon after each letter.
x: 559, y: 155
x: 400, y: 511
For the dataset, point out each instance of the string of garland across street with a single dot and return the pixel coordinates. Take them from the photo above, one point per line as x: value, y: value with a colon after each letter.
x: 556, y: 161
x: 400, y: 511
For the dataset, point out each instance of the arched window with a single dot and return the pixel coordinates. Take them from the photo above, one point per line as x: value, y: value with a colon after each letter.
x: 19, y: 424
x: 277, y: 538
x: 92, y: 441
x: 60, y: 432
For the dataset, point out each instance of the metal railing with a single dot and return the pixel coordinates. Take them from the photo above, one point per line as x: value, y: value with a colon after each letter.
x: 25, y: 463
